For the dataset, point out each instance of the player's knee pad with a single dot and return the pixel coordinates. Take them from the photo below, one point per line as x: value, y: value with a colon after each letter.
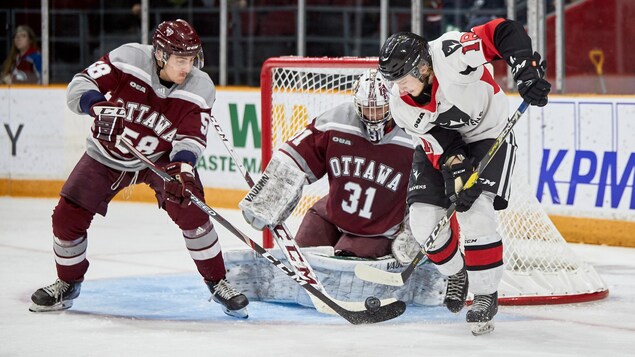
x: 202, y: 242
x: 480, y: 219
x: 70, y: 221
x: 444, y: 252
x: 187, y: 218
x: 423, y: 219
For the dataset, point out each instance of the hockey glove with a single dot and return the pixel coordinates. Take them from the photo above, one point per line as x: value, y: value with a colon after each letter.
x: 466, y: 197
x: 529, y: 75
x: 455, y: 176
x: 108, y: 125
x: 184, y: 179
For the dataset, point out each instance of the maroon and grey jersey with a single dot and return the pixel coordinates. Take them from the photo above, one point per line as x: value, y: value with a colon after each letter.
x: 159, y: 119
x: 367, y: 182
x: 464, y: 95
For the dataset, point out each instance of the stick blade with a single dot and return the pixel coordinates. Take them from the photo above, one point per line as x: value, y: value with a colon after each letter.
x: 348, y: 305
x: 384, y: 313
x: 378, y: 276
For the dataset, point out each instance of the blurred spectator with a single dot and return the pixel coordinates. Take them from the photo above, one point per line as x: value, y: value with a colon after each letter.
x: 24, y: 62
x: 478, y: 13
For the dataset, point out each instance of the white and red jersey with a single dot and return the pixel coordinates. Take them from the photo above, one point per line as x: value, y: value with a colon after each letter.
x: 159, y: 119
x: 367, y: 182
x: 464, y: 95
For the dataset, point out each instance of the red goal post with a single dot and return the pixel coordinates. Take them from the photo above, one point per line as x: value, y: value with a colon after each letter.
x: 540, y: 268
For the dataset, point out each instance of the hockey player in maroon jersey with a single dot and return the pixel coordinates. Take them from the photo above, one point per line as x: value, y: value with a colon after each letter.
x: 444, y: 84
x: 367, y: 159
x: 157, y: 98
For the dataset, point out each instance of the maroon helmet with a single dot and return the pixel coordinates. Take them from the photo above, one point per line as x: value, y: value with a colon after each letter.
x: 179, y: 38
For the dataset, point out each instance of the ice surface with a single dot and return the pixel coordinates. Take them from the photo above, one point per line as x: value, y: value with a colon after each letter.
x: 143, y: 297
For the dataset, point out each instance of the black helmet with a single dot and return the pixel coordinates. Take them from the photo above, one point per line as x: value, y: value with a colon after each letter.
x: 401, y: 53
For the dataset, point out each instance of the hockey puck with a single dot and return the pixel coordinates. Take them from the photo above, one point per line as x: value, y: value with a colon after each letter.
x: 372, y: 304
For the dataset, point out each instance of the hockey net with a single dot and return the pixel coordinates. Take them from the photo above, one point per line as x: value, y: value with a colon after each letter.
x: 540, y: 268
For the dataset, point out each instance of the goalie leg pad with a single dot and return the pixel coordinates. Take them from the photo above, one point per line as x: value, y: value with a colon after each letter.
x: 261, y: 281
x: 273, y: 198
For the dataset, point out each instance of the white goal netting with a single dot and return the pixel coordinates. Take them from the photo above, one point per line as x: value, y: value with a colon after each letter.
x: 540, y: 268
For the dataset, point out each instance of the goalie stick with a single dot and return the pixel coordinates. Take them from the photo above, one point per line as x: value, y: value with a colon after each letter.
x: 287, y: 243
x: 379, y: 314
x: 378, y: 276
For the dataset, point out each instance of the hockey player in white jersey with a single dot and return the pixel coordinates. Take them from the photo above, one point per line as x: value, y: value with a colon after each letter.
x: 444, y: 85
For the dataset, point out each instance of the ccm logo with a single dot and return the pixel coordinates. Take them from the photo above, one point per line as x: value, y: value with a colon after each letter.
x: 138, y: 87
x: 342, y: 141
x: 110, y: 111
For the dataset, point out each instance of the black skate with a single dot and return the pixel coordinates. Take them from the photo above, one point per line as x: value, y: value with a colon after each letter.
x: 484, y: 308
x: 234, y: 303
x: 456, y: 291
x: 57, y: 296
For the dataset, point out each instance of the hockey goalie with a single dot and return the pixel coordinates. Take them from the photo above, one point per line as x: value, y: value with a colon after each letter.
x: 362, y: 219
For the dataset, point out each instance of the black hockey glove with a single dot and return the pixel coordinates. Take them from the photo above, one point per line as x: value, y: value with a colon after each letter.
x: 455, y: 176
x: 467, y: 197
x: 176, y: 189
x: 108, y: 124
x: 529, y: 75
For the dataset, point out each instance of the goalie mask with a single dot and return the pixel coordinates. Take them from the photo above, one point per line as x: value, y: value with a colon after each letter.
x: 179, y: 38
x: 370, y: 96
x: 404, y: 53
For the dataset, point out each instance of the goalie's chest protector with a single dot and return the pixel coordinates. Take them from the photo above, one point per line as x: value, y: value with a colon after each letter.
x: 367, y: 182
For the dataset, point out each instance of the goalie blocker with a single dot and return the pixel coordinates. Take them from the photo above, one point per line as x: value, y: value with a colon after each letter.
x: 273, y: 198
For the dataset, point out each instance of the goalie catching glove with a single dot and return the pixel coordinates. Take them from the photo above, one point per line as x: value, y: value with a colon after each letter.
x: 456, y: 172
x: 108, y: 125
x: 273, y: 198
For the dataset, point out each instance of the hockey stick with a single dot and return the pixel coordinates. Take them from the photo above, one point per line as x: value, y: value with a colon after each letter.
x: 378, y: 276
x: 287, y: 243
x: 374, y: 315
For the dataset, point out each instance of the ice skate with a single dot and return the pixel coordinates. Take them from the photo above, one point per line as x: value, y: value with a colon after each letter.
x: 456, y: 291
x: 480, y: 316
x: 234, y: 303
x: 55, y: 297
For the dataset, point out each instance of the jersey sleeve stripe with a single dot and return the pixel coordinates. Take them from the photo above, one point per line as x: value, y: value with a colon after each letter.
x: 339, y: 126
x: 190, y: 97
x: 289, y: 151
x: 406, y: 142
x: 486, y: 34
x: 134, y: 71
